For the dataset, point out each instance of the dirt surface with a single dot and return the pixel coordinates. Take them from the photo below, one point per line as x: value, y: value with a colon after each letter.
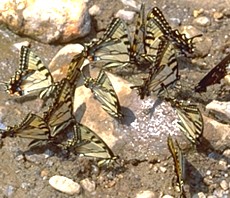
x: 206, y: 167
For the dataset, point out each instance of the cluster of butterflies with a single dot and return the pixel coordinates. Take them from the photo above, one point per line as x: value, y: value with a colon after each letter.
x: 154, y: 46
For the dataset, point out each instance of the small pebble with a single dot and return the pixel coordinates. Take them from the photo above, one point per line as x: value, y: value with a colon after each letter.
x: 94, y: 10
x: 65, y: 185
x: 125, y: 15
x: 224, y: 185
x: 146, y: 194
x: 202, y: 21
x: 218, y: 15
x: 131, y: 3
x: 227, y: 152
x: 163, y: 169
x: 167, y: 196
x: 196, y: 13
x: 223, y: 165
x: 88, y: 185
x: 211, y: 196
x: 201, y: 195
x: 19, y: 45
x: 208, y: 172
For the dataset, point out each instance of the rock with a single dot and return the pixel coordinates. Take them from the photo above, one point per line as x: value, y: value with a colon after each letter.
x: 201, y: 195
x: 94, y: 10
x: 202, y: 21
x: 167, y: 196
x: 224, y: 185
x: 223, y: 165
x: 59, y: 64
x: 218, y: 107
x: 88, y: 185
x: 196, y: 13
x: 146, y: 194
x: 218, y: 15
x: 130, y: 3
x: 216, y: 132
x: 58, y: 22
x: 163, y: 169
x: 65, y: 185
x: 19, y: 45
x: 125, y: 15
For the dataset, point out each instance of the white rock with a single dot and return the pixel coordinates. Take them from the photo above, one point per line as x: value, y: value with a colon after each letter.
x: 202, y: 21
x: 125, y: 15
x: 60, y: 62
x: 61, y: 21
x: 88, y: 185
x: 19, y: 45
x: 167, y: 196
x: 94, y: 10
x: 163, y: 169
x: 146, y: 194
x: 222, y: 107
x: 201, y: 195
x: 65, y: 185
x: 224, y: 185
x: 130, y: 3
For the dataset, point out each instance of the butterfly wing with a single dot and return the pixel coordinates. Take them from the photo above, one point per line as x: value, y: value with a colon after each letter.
x: 104, y: 92
x: 163, y: 73
x: 113, y: 48
x: 91, y: 145
x: 33, y: 127
x: 191, y: 121
x: 157, y: 26
x: 60, y: 114
x: 179, y: 162
x: 32, y: 75
x: 215, y: 75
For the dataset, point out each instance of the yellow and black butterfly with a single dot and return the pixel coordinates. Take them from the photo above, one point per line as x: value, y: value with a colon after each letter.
x: 113, y: 48
x: 58, y: 117
x: 32, y: 75
x: 89, y: 144
x: 104, y: 92
x: 157, y: 26
x: 191, y: 121
x: 163, y: 72
x: 179, y: 163
x: 215, y: 75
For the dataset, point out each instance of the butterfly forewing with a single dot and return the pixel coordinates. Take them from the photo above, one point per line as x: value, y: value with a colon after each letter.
x: 91, y: 145
x: 104, y: 92
x: 179, y: 162
x: 163, y: 73
x: 191, y: 121
x: 60, y: 113
x: 215, y: 75
x: 113, y: 48
x: 32, y: 127
x: 32, y: 75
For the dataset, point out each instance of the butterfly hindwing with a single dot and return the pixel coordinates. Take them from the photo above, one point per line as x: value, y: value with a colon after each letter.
x: 60, y: 113
x: 32, y: 75
x: 191, y: 121
x: 104, y: 92
x: 113, y: 48
x: 89, y: 144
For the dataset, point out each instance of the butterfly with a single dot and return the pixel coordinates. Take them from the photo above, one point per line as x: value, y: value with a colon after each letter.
x: 89, y: 144
x: 191, y: 121
x: 157, y: 26
x: 163, y: 72
x: 104, y: 92
x: 112, y: 48
x: 179, y: 162
x: 215, y: 75
x: 54, y: 121
x: 32, y: 76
